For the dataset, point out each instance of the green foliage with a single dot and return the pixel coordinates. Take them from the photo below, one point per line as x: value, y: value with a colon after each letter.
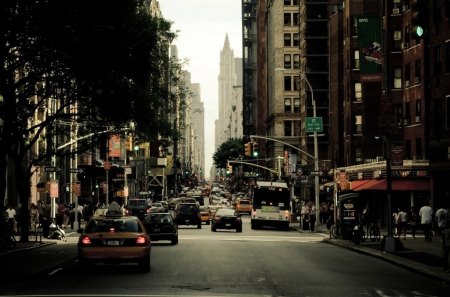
x: 230, y: 149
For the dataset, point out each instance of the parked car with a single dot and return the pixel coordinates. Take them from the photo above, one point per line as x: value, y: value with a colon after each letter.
x: 188, y: 214
x: 114, y: 238
x: 205, y: 215
x: 137, y: 207
x: 226, y: 218
x: 161, y: 226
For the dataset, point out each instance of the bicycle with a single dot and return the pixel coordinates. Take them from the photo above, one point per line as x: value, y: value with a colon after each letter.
x: 374, y: 232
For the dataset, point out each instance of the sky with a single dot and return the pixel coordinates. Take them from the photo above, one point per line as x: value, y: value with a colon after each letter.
x: 201, y: 26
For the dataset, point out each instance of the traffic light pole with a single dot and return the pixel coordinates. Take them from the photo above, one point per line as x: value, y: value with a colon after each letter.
x: 256, y: 165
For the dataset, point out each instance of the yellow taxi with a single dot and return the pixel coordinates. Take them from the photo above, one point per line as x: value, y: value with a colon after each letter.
x: 243, y: 205
x: 114, y: 238
x: 205, y: 215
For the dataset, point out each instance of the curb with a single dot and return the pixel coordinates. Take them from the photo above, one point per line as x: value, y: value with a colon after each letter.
x: 34, y: 246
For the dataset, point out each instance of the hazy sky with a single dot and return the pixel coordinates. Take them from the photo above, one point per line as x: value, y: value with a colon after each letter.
x: 202, y: 26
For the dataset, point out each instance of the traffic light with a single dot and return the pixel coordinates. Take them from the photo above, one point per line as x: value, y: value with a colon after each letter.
x: 136, y: 144
x: 255, y: 150
x: 418, y: 20
x: 248, y: 149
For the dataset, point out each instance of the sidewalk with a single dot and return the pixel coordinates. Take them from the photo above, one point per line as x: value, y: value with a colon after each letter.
x: 417, y: 255
x: 37, y: 241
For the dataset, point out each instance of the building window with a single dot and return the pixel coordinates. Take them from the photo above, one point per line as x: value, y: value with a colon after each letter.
x: 417, y: 71
x: 397, y: 37
x: 287, y: 105
x: 297, y: 125
x: 296, y: 19
x: 358, y: 124
x: 437, y: 58
x: 287, y: 19
x: 408, y: 149
x: 296, y: 83
x: 287, y: 39
x: 418, y: 110
x: 358, y: 154
x: 356, y: 54
x: 407, y: 114
x: 296, y: 104
x: 397, y: 78
x: 287, y: 61
x: 296, y: 37
x: 296, y: 61
x: 358, y: 91
x: 287, y: 128
x: 288, y: 83
x: 407, y: 75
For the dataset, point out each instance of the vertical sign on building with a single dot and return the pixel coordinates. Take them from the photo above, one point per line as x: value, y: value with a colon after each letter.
x: 370, y: 48
x: 114, y: 146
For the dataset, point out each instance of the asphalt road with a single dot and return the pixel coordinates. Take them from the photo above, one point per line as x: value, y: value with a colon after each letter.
x: 225, y: 263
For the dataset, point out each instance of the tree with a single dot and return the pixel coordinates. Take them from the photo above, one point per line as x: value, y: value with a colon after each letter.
x: 233, y: 148
x: 96, y: 64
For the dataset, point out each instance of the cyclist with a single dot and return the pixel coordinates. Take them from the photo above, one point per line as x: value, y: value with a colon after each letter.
x: 11, y: 216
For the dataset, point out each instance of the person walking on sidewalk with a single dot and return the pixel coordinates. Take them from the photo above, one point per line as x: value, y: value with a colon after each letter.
x: 441, y: 220
x: 414, y: 221
x: 426, y: 220
x: 402, y: 223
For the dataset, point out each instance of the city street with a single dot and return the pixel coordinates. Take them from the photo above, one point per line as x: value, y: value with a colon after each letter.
x: 225, y: 263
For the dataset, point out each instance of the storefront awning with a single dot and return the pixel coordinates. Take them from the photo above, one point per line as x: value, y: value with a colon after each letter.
x: 354, y: 185
x: 397, y: 185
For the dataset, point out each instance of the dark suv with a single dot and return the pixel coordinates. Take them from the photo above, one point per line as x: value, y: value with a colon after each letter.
x: 138, y: 208
x: 188, y: 214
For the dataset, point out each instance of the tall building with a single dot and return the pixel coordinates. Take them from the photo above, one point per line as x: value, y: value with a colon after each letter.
x: 229, y: 123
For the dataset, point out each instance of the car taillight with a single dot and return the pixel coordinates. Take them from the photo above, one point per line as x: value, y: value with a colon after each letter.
x: 286, y: 214
x: 253, y: 214
x: 85, y: 240
x: 141, y: 240
x: 217, y: 219
x: 112, y: 230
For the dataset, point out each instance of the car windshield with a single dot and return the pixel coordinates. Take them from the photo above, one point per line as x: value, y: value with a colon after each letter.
x: 137, y: 203
x: 225, y: 212
x: 188, y: 207
x: 157, y: 205
x: 112, y: 225
x: 244, y: 202
x: 159, y: 218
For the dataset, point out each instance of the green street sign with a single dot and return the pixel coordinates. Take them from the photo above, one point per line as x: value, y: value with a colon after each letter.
x: 314, y: 124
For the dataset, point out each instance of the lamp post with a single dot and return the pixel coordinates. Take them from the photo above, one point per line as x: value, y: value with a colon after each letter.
x: 316, y: 160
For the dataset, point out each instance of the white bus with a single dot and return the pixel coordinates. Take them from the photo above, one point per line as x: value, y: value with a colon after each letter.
x: 271, y: 205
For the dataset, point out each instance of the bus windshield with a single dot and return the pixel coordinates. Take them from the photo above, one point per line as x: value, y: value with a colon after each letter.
x: 269, y: 197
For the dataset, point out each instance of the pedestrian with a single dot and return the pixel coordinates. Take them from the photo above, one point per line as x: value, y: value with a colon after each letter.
x: 46, y: 220
x: 60, y: 212
x: 426, y: 220
x: 34, y: 217
x: 414, y: 220
x: 11, y: 215
x: 395, y: 222
x: 402, y: 223
x: 441, y: 220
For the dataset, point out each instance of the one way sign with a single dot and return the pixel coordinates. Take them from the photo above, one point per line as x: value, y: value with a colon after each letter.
x: 76, y: 170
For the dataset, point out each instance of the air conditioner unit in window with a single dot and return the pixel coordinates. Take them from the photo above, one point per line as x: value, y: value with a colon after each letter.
x: 416, y: 79
x: 406, y: 83
x: 395, y: 10
x: 405, y: 45
x: 417, y: 119
x: 405, y: 122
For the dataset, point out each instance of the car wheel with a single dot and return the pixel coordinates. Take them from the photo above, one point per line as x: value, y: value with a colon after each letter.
x: 174, y: 240
x: 239, y: 229
x: 84, y: 262
x: 199, y: 226
x: 208, y: 222
x: 144, y: 264
x: 213, y: 229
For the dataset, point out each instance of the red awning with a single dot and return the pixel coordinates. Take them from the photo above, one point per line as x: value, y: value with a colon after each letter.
x: 397, y: 185
x: 355, y: 184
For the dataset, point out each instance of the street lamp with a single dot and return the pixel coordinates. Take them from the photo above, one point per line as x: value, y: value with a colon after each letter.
x: 316, y: 159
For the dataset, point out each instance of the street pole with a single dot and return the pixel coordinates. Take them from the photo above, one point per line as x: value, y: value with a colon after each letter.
x: 316, y: 160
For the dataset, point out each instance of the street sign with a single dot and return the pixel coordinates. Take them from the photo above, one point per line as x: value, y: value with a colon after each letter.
x: 54, y: 189
x: 314, y: 124
x: 51, y: 169
x: 128, y: 171
x: 76, y: 170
